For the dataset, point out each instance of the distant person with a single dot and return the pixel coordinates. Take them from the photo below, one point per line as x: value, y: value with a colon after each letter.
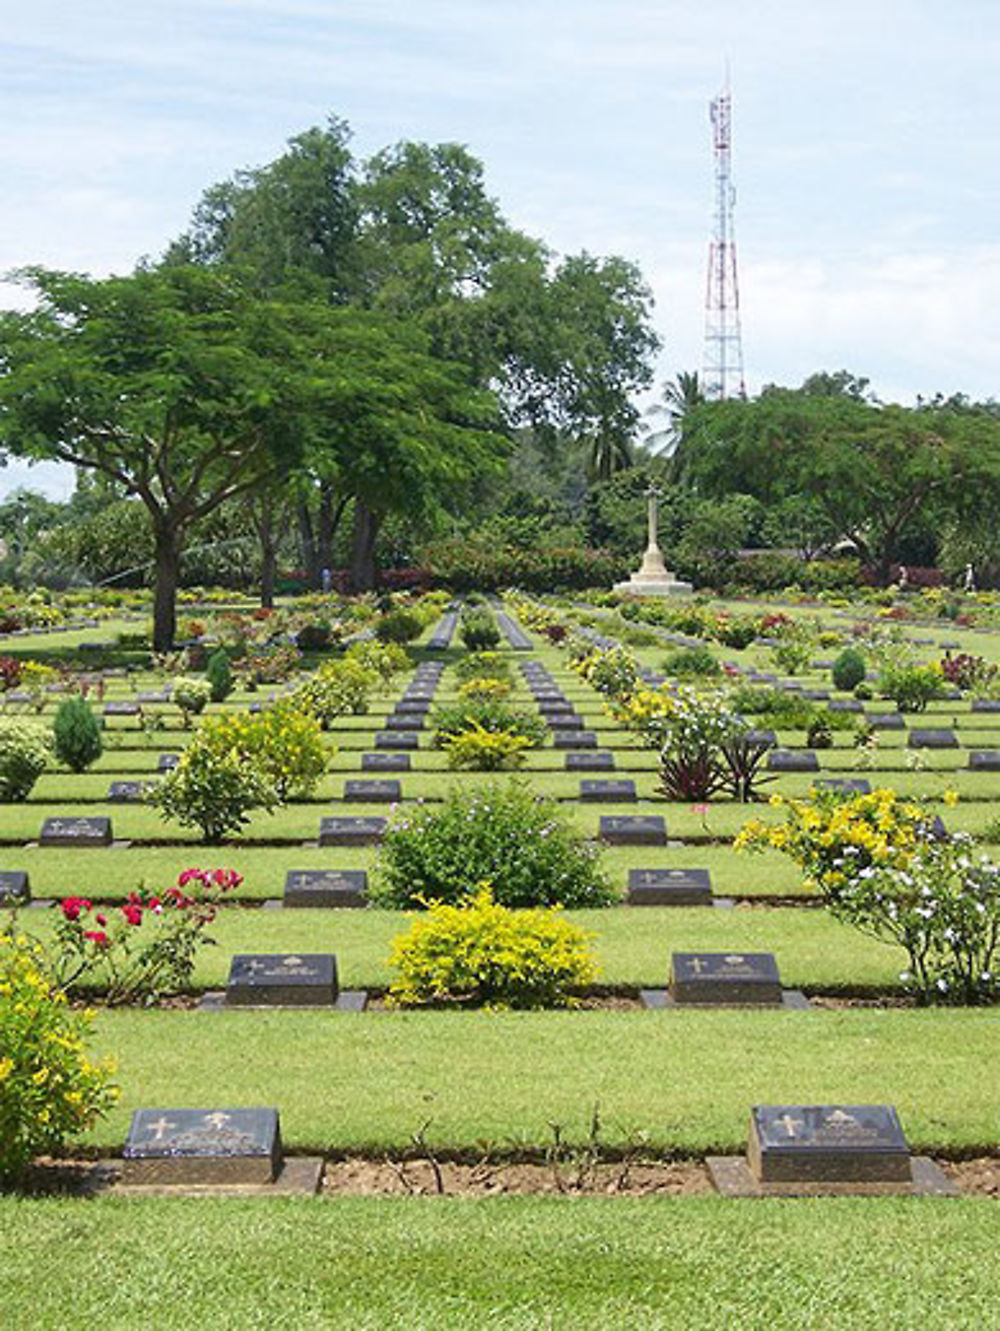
x: 969, y: 579
x: 326, y: 579
x: 904, y: 578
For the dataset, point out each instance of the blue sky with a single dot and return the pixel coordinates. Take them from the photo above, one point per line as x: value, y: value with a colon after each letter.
x: 863, y: 157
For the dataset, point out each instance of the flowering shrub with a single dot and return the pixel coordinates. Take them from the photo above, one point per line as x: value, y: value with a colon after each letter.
x: 192, y: 696
x: 455, y: 718
x: 484, y: 665
x: 35, y: 679
x: 10, y: 673
x: 480, y: 750
x: 498, y: 834
x: 270, y: 665
x: 24, y: 753
x: 794, y: 643
x: 885, y: 867
x: 337, y: 688
x: 282, y: 744
x: 969, y: 673
x: 383, y: 659
x: 49, y: 1089
x: 478, y: 630
x: 76, y: 734
x: 484, y: 690
x: 144, y: 948
x: 613, y: 671
x: 911, y: 687
x: 481, y: 953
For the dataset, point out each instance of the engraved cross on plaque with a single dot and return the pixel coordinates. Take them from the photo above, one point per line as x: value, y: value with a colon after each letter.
x: 790, y: 1124
x: 159, y: 1129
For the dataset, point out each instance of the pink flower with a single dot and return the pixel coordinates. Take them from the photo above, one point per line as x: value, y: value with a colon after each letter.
x: 155, y: 905
x: 132, y: 912
x: 97, y: 936
x: 72, y: 906
x: 101, y: 920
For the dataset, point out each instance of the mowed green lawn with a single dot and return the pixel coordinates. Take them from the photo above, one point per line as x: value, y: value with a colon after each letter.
x: 684, y: 1080
x: 518, y: 1264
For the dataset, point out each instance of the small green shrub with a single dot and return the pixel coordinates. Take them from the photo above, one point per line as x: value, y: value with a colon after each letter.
x: 399, y: 626
x: 313, y: 637
x: 911, y: 687
x: 213, y: 791
x: 76, y: 734
x: 24, y: 753
x: 480, y: 953
x: 848, y: 669
x: 456, y: 718
x: 337, y: 688
x: 820, y: 733
x: 478, y: 631
x: 484, y: 665
x: 191, y: 696
x: 50, y: 1091
x: 689, y: 662
x: 219, y: 674
x: 498, y: 834
x: 479, y: 750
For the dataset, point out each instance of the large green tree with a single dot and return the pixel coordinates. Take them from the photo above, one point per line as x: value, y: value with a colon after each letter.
x: 871, y: 473
x: 413, y: 234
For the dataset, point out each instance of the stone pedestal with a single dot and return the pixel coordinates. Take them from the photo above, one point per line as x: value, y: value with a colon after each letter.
x: 653, y: 577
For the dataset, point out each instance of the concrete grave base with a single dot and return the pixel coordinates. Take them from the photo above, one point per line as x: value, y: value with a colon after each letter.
x: 732, y: 1177
x: 348, y: 1000
x: 299, y: 1176
x: 791, y: 999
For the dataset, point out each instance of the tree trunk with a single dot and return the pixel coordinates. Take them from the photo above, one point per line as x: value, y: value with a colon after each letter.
x: 310, y: 562
x: 268, y: 571
x: 325, y: 528
x: 366, y: 527
x: 169, y: 542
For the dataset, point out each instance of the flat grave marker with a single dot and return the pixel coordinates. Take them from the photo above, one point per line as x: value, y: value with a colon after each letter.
x: 202, y: 1147
x: 850, y: 785
x: 282, y: 980
x: 334, y: 889
x: 607, y: 792
x: 68, y: 831
x: 397, y: 739
x: 127, y: 792
x: 121, y: 709
x: 725, y: 978
x: 985, y: 705
x: 598, y: 761
x: 792, y: 760
x: 385, y: 762
x: 669, y: 887
x: 574, y: 739
x: 885, y: 721
x: 375, y: 792
x: 648, y: 830
x: 351, y: 831
x: 406, y: 721
x: 984, y: 760
x: 564, y: 721
x: 932, y: 739
x: 167, y: 762
x: 15, y: 888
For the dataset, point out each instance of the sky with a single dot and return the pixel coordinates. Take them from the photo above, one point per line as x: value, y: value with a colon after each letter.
x: 866, y: 215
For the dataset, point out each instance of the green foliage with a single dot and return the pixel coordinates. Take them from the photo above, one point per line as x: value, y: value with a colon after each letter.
x: 142, y: 949
x: 478, y: 631
x: 820, y: 734
x: 399, y: 626
x: 849, y: 669
x: 219, y: 674
x: 690, y: 661
x: 383, y: 659
x: 501, y: 835
x: 480, y: 750
x: 213, y: 790
x: 337, y: 688
x: 281, y: 743
x: 482, y: 954
x: 50, y: 1091
x: 76, y: 734
x: 479, y: 561
x: 794, y: 644
x: 24, y: 753
x: 910, y: 686
x: 191, y: 695
x: 484, y: 665
x: 487, y: 714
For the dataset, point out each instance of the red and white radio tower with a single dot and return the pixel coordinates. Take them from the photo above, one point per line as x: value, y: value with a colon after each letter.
x: 723, y: 367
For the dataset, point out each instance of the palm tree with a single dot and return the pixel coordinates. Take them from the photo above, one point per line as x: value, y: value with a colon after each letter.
x: 680, y: 397
x: 608, y: 453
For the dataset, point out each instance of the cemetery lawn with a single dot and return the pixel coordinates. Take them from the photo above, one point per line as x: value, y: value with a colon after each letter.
x: 683, y: 1081
x: 515, y: 1263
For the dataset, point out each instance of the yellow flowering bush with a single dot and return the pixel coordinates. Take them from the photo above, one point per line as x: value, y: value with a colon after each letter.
x: 484, y: 690
x: 832, y: 838
x: 284, y: 744
x: 483, y: 954
x: 49, y: 1088
x: 480, y: 750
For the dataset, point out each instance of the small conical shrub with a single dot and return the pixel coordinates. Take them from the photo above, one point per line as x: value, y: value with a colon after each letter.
x: 219, y: 675
x: 76, y: 733
x: 849, y: 669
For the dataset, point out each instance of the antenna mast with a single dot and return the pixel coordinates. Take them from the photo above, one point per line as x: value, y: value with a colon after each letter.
x: 723, y: 365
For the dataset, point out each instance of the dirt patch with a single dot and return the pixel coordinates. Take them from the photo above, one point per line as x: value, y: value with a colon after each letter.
x: 366, y: 1177
x: 980, y: 1177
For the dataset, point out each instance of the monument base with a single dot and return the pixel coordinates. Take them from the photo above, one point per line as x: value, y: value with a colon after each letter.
x: 637, y: 585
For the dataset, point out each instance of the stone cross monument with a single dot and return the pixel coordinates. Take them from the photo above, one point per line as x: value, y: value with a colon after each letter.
x: 653, y: 578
